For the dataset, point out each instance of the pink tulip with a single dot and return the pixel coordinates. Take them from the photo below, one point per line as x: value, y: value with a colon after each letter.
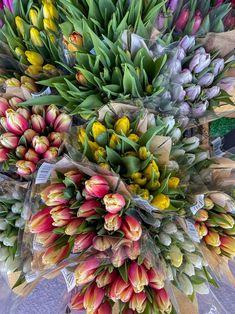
x: 112, y: 222
x: 25, y: 167
x: 182, y: 20
x: 138, y: 277
x: 228, y: 244
x: 118, y: 257
x: 62, y: 123
x: 61, y: 215
x: 74, y: 176
x: 86, y: 271
x: 128, y: 311
x: 197, y: 22
x: 51, y: 153
x: 29, y: 135
x: 133, y: 251
x: 31, y: 155
x: 77, y: 302
x: 40, y: 144
x: 55, y: 255
x: 21, y: 151
x: 3, y: 121
x: 120, y: 290
x: 53, y: 195
x: 201, y: 229
x: 131, y: 228
x: 8, y: 4
x: 14, y: 102
x: 103, y: 243
x: 41, y: 222
x: 88, y: 208
x: 83, y: 241
x: 162, y: 300
x: 9, y: 140
x: 4, y: 105
x: 156, y: 278
x: 105, y: 278
x: 24, y: 112
x: 39, y: 110
x: 97, y: 186
x: 4, y: 154
x: 38, y: 123
x: 46, y: 238
x: 104, y: 308
x: 56, y: 139
x: 114, y: 203
x: 138, y: 302
x: 15, y: 122
x: 93, y: 298
x: 72, y: 227
x: 52, y: 113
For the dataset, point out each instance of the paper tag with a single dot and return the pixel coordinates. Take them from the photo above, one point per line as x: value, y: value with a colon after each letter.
x: 217, y: 144
x: 44, y: 92
x: 192, y: 231
x: 31, y: 277
x: 69, y: 279
x: 44, y: 173
x: 199, y: 204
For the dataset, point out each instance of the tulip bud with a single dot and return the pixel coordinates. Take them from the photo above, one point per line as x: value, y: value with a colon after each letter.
x: 118, y: 257
x: 19, y: 52
x: 138, y: 302
x: 161, y: 201
x: 51, y: 153
x: 74, y: 176
x: 52, y: 113
x: 114, y: 141
x: 131, y: 228
x: 184, y: 109
x: 103, y: 243
x: 178, y: 93
x: 164, y: 239
x: 212, y: 238
x: 104, y: 308
x: 197, y: 22
x: 46, y: 238
x: 62, y: 123
x: 185, y: 77
x: 25, y: 167
x: 12, y: 82
x: 38, y: 123
x: 75, y: 41
x: 53, y: 195
x: 24, y: 113
x: 201, y: 215
x: 97, y: 186
x: 172, y: 5
x: 20, y: 25
x: 228, y: 245
x: 105, y: 278
x: 81, y: 79
x: 99, y: 133
x: 120, y: 290
x: 122, y: 126
x: 201, y: 229
x: 187, y: 42
x: 40, y: 144
x: 114, y: 203
x: 34, y: 58
x: 88, y: 208
x: 4, y: 105
x: 156, y: 278
x: 93, y: 298
x: 29, y: 135
x: 133, y: 250
x: 33, y: 15
x: 86, y: 271
x: 83, y: 241
x: 173, y: 182
x: 3, y: 154
x: 61, y: 215
x: 200, y: 109
x: 41, y: 222
x: 31, y: 155
x: 224, y: 221
x: 160, y: 22
x: 162, y: 300
x: 193, y: 92
x: 36, y: 39
x: 9, y: 140
x: 3, y: 122
x: 212, y: 92
x: 112, y: 222
x: 77, y: 301
x: 182, y: 20
x: 15, y: 122
x: 72, y: 227
x: 218, y: 66
x: 206, y: 80
x: 226, y: 83
x: 34, y: 70
x: 133, y: 137
x: 56, y: 139
x: 50, y: 11
x: 54, y: 255
x: 49, y: 25
x: 199, y: 62
x: 14, y: 101
x: 175, y: 256
x: 185, y: 284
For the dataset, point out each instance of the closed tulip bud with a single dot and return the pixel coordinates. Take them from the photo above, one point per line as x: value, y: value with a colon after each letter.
x: 24, y: 112
x: 29, y: 135
x: 51, y: 153
x: 33, y: 15
x: 218, y: 66
x: 184, y: 109
x: 20, y: 25
x: 81, y: 79
x: 201, y: 215
x: 49, y: 25
x: 185, y: 284
x: 161, y: 201
x: 12, y: 82
x: 152, y: 171
x: 38, y: 123
x: 143, y: 153
x: 197, y: 22
x: 206, y: 80
x: 189, y: 269
x: 133, y: 137
x: 212, y: 238
x: 103, y: 243
x: 83, y: 241
x: 201, y: 229
x: 133, y: 250
x: 46, y: 238
x: 9, y: 140
x: 74, y: 42
x: 77, y: 301
x: 176, y: 256
x: 208, y: 203
x: 138, y: 277
x: 118, y: 257
x: 52, y: 113
x: 97, y: 186
x: 50, y: 68
x: 15, y: 122
x: 193, y: 92
x: 39, y: 110
x: 93, y: 298
x: 72, y: 227
x: 62, y: 123
x: 201, y: 288
x: 228, y: 245
x: 199, y: 62
x: 131, y: 228
x: 114, y: 203
x: 162, y: 300
x: 189, y: 246
x: 104, y: 308
x: 105, y: 278
x: 50, y: 11
x: 33, y: 70
x: 61, y: 215
x: 40, y: 144
x: 53, y: 195
x: 156, y: 278
x: 173, y: 182
x: 54, y: 255
x: 34, y: 58
x: 114, y: 141
x: 112, y: 222
x: 85, y: 272
x: 224, y: 221
x: 164, y: 239
x: 187, y: 42
x: 226, y: 83
x: 183, y: 78
x: 88, y: 208
x: 99, y: 133
x: 122, y: 126
x: 35, y: 38
x: 4, y: 105
x: 120, y: 290
x: 31, y: 155
x: 212, y: 92
x: 56, y: 139
x: 182, y: 20
x: 160, y: 22
x: 74, y: 176
x: 41, y: 222
x: 172, y: 5
x: 138, y: 302
x: 3, y: 154
x: 19, y: 52
x: 170, y: 228
x: 25, y: 167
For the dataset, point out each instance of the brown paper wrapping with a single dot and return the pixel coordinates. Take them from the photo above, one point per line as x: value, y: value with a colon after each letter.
x: 24, y: 289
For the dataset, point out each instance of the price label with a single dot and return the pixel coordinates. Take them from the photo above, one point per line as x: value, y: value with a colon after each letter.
x: 44, y: 173
x: 44, y: 92
x: 217, y: 145
x: 199, y: 204
x: 69, y: 279
x: 192, y: 231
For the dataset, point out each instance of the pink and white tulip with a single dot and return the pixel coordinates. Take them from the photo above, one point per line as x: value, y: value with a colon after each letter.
x: 21, y: 151
x: 31, y: 155
x: 105, y: 278
x: 14, y: 102
x: 88, y: 208
x: 4, y: 105
x: 46, y: 238
x: 133, y: 250
x: 103, y: 243
x: 53, y: 255
x: 61, y: 215
x: 4, y: 154
x: 41, y: 222
x: 29, y: 135
x: 38, y: 123
x: 53, y: 195
x: 62, y: 123
x: 72, y: 227
x: 138, y: 302
x: 85, y: 271
x: 15, y: 122
x: 156, y: 278
x: 120, y: 290
x: 112, y: 222
x: 74, y: 176
x: 25, y: 167
x: 114, y: 203
x: 52, y: 113
x: 93, y: 298
x: 9, y: 140
x: 83, y: 241
x: 56, y: 139
x: 24, y: 112
x: 97, y: 186
x: 51, y: 153
x: 131, y: 228
x: 40, y: 144
x: 138, y: 277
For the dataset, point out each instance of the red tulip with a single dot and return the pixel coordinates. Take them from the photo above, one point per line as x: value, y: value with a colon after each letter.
x: 4, y: 105
x: 61, y: 215
x: 162, y: 300
x: 105, y: 278
x: 54, y: 255
x: 88, y: 208
x: 138, y: 277
x: 62, y: 123
x: 86, y: 271
x: 120, y: 290
x: 156, y: 278
x: 74, y: 176
x: 24, y: 112
x: 133, y: 250
x: 53, y: 194
x: 46, y: 238
x: 103, y: 243
x: 52, y: 113
x: 25, y: 167
x: 51, y: 153
x: 93, y: 298
x: 9, y: 140
x: 29, y: 135
x: 31, y: 155
x: 104, y: 308
x: 21, y: 151
x: 40, y: 144
x: 97, y: 186
x: 83, y: 241
x: 56, y: 139
x: 182, y: 20
x: 3, y: 154
x: 114, y: 203
x: 131, y: 228
x: 197, y: 22
x: 138, y: 302
x: 77, y: 302
x: 72, y: 227
x: 41, y: 222
x: 38, y: 123
x: 112, y: 222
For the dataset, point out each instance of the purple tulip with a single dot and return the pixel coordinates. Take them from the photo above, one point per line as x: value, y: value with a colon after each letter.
x: 160, y: 22
x: 212, y: 92
x: 180, y: 54
x: 172, y: 5
x: 199, y: 62
x: 184, y: 109
x: 185, y: 77
x: 197, y: 22
x: 218, y: 65
x: 7, y: 3
x: 199, y: 109
x: 200, y: 50
x: 174, y: 66
x: 227, y: 82
x: 193, y: 92
x: 178, y: 93
x: 184, y: 121
x: 187, y: 42
x: 206, y: 80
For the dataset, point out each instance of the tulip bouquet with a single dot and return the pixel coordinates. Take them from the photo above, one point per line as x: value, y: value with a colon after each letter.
x: 195, y: 17
x: 30, y: 33
x: 29, y: 135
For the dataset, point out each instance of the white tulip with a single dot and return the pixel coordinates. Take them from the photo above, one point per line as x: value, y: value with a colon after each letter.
x: 170, y: 123
x: 185, y: 284
x: 201, y: 288
x: 10, y: 241
x: 170, y: 228
x: 164, y: 239
x: 201, y: 156
x: 177, y: 153
x: 189, y: 269
x: 19, y: 223
x: 179, y: 236
x: 176, y: 135
x: 17, y: 208
x: 3, y: 224
x: 3, y: 254
x: 191, y: 143
x: 189, y: 158
x: 172, y: 165
x: 189, y: 246
x: 195, y: 259
x: 169, y: 273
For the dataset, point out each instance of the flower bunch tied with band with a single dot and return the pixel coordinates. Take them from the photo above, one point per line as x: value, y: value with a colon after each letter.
x: 83, y: 216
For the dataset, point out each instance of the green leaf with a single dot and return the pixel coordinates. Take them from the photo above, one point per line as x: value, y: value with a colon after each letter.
x: 123, y: 271
x: 133, y: 164
x: 44, y: 101
x: 146, y: 138
x: 114, y: 158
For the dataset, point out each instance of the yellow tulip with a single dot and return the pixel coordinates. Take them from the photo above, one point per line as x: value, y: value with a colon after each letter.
x: 114, y: 141
x: 33, y: 15
x: 161, y: 201
x: 122, y: 125
x: 133, y: 137
x: 35, y: 37
x: 98, y: 129
x: 19, y: 52
x: 176, y: 256
x: 134, y: 188
x: 50, y: 11
x: 151, y: 171
x: 93, y: 145
x: 143, y: 153
x: 81, y: 135
x: 33, y: 70
x: 173, y: 182
x: 99, y: 154
x: 139, y: 178
x: 49, y: 68
x: 34, y: 58
x: 20, y: 25
x: 145, y: 194
x: 153, y: 185
x: 49, y: 25
x: 104, y: 166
